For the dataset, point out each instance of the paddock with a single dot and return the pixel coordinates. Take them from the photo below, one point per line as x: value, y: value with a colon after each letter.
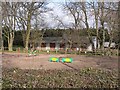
x: 41, y: 61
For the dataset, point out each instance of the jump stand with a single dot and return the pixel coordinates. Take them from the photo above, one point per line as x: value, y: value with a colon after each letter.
x: 54, y: 59
x: 67, y: 60
x: 63, y: 60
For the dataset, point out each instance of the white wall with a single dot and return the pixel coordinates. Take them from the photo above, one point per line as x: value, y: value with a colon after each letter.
x: 47, y: 46
x: 95, y: 42
x: 89, y: 47
x: 57, y: 46
x: 94, y: 39
x: 106, y: 44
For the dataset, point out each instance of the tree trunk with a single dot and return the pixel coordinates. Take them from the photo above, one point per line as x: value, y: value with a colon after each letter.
x: 96, y: 12
x: 102, y: 24
x: 110, y: 41
x: 28, y: 30
x: 10, y: 44
x: 70, y: 46
x: 97, y: 33
x: 26, y: 44
x: 103, y: 37
x: 88, y: 31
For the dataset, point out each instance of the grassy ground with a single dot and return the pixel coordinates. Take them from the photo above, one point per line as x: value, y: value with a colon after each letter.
x: 87, y: 77
x: 113, y: 52
x: 106, y: 77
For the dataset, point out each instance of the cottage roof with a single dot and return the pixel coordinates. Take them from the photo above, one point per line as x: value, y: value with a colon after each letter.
x: 53, y: 40
x: 82, y: 40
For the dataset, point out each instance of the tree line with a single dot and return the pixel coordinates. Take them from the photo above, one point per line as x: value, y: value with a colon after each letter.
x: 29, y: 18
x: 36, y: 34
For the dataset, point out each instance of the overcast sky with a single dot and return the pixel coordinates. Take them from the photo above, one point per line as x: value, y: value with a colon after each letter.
x: 56, y: 5
x: 58, y: 11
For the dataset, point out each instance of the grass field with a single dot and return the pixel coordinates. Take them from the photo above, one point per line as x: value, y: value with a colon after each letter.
x: 83, y: 78
x: 21, y: 71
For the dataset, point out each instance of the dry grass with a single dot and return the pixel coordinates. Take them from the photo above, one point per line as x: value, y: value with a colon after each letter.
x: 21, y: 71
x: 83, y: 78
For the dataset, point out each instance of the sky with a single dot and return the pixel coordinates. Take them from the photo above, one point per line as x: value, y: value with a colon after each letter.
x: 58, y: 11
x: 68, y: 20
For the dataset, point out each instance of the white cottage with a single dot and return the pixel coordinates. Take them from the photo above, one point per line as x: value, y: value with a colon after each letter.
x: 56, y: 43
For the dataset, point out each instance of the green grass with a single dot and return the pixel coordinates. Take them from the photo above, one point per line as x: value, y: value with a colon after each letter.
x: 83, y: 78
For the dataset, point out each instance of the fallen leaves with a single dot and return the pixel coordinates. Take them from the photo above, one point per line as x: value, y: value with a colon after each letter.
x: 87, y: 77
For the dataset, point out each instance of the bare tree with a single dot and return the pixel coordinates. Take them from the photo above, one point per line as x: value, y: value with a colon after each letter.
x: 84, y: 8
x: 109, y: 19
x: 37, y: 33
x: 74, y: 9
x: 95, y: 7
x: 102, y: 21
x: 79, y: 13
x: 9, y: 21
x: 26, y: 12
